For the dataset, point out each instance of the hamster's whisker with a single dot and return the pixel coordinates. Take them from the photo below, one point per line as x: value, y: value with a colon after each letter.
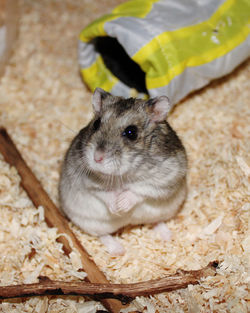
x: 80, y: 170
x: 120, y: 177
x: 66, y: 126
x: 84, y: 169
x: 78, y: 174
x: 111, y: 181
x: 75, y: 177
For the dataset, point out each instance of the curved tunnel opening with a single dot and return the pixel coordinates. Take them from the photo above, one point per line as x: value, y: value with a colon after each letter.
x: 120, y: 64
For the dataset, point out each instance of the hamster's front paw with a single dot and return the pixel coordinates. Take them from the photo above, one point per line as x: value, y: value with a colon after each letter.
x: 111, y: 203
x: 126, y: 200
x: 123, y: 201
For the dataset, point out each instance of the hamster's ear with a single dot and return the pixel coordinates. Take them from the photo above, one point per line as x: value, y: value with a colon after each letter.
x: 158, y: 108
x: 98, y: 97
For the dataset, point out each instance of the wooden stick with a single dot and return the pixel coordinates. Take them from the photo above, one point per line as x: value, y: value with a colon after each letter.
x: 53, y: 216
x: 123, y: 292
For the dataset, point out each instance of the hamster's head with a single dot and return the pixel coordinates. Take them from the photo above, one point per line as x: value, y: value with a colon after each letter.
x: 121, y: 134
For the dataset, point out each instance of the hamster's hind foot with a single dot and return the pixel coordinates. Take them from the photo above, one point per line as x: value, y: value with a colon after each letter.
x: 113, y: 247
x: 164, y: 232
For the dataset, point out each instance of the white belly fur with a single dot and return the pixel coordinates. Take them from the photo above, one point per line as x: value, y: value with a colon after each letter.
x: 93, y: 216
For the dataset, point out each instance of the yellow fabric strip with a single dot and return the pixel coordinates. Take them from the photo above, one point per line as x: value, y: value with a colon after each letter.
x: 168, y: 54
x: 185, y: 32
x: 133, y: 8
x: 99, y: 75
x: 206, y: 57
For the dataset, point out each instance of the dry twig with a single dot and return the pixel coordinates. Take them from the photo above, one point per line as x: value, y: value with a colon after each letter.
x: 123, y: 292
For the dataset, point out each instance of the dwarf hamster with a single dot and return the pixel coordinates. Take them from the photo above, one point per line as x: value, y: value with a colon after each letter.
x: 126, y: 167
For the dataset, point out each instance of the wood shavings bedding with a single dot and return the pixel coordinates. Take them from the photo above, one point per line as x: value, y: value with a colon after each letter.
x: 43, y: 103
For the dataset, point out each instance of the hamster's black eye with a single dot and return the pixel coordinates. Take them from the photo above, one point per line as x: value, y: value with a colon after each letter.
x: 97, y: 124
x: 131, y: 132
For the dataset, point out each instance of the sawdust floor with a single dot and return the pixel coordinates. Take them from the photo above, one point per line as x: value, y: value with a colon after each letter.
x: 43, y: 103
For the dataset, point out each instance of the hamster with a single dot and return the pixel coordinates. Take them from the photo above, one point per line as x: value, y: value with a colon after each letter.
x: 126, y: 167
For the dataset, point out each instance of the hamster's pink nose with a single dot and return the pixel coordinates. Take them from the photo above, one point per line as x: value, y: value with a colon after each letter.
x: 98, y: 156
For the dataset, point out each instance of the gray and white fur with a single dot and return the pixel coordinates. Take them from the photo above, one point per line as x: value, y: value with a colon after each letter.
x: 126, y: 167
